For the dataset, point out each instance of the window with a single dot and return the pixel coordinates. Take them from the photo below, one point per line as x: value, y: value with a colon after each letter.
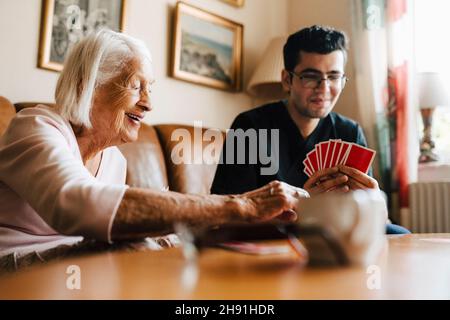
x: 432, y: 49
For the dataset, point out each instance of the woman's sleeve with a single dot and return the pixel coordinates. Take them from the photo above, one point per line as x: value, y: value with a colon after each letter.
x: 36, y: 161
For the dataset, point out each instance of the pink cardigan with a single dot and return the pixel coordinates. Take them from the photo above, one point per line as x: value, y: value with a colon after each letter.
x: 47, y: 196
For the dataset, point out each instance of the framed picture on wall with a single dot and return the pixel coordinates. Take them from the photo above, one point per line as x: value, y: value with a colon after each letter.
x: 236, y: 3
x: 64, y: 22
x: 206, y: 49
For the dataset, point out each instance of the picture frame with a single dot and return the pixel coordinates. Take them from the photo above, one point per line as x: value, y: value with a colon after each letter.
x: 206, y: 49
x: 64, y: 23
x: 236, y: 3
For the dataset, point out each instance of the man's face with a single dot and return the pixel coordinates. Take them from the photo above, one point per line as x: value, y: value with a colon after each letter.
x: 310, y: 99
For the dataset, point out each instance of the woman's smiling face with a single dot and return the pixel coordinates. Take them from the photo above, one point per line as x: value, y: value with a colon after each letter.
x: 120, y: 104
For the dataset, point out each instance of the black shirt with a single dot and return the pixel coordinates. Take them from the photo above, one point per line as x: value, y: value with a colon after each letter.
x: 234, y: 178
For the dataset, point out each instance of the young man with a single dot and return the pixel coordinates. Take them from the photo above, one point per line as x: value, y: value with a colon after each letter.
x: 285, y: 131
x: 313, y: 76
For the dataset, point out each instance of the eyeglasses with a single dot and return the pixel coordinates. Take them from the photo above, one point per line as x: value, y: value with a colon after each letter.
x: 138, y: 88
x: 313, y: 81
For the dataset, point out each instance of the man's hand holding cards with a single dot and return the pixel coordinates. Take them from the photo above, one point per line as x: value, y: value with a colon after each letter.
x: 336, y: 165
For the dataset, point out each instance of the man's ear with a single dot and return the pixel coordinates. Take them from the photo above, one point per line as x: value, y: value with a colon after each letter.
x: 286, y: 80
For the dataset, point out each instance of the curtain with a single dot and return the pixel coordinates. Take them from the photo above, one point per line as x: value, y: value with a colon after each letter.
x: 382, y: 41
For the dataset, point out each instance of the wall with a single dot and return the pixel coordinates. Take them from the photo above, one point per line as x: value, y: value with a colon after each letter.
x: 335, y: 13
x: 173, y: 100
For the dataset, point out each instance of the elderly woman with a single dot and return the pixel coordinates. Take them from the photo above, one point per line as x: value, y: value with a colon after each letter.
x: 62, y: 178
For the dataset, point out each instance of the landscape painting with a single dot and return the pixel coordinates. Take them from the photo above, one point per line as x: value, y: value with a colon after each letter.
x: 207, y: 49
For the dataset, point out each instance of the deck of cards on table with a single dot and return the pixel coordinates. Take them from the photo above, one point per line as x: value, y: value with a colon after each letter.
x: 331, y: 153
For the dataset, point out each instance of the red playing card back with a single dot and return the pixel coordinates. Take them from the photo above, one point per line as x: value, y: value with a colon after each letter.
x: 312, y: 157
x: 344, y: 152
x: 360, y: 158
x: 323, y: 146
x: 337, y: 150
x: 329, y: 156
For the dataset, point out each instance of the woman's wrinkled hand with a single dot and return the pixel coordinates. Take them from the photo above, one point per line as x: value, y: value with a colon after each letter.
x: 274, y: 200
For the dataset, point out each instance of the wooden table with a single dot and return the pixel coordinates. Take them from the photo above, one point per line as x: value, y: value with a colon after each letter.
x: 411, y: 267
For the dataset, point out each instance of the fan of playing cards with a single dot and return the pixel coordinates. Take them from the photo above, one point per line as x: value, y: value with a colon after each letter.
x: 331, y: 153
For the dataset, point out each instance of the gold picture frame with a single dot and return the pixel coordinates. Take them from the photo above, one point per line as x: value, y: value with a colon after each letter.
x: 207, y: 49
x: 63, y: 23
x: 236, y: 3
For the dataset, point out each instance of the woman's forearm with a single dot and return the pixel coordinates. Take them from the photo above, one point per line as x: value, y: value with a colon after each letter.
x: 146, y: 212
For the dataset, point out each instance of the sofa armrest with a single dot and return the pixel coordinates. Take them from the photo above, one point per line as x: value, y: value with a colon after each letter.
x: 194, y: 178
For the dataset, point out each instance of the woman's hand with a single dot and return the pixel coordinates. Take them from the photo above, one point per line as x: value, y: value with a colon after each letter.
x: 274, y: 200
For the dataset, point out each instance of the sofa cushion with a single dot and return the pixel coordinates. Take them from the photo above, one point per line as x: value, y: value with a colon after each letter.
x: 145, y: 160
x: 189, y: 177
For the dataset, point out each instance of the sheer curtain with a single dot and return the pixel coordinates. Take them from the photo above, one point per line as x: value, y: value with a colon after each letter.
x: 431, y: 25
x: 383, y: 48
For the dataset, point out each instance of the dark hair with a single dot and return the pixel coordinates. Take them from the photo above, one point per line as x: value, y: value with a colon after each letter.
x: 317, y: 39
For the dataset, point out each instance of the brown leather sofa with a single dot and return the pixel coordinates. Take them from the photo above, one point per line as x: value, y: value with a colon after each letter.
x: 149, y: 163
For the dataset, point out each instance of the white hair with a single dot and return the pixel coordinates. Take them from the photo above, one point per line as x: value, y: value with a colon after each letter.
x: 93, y: 61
